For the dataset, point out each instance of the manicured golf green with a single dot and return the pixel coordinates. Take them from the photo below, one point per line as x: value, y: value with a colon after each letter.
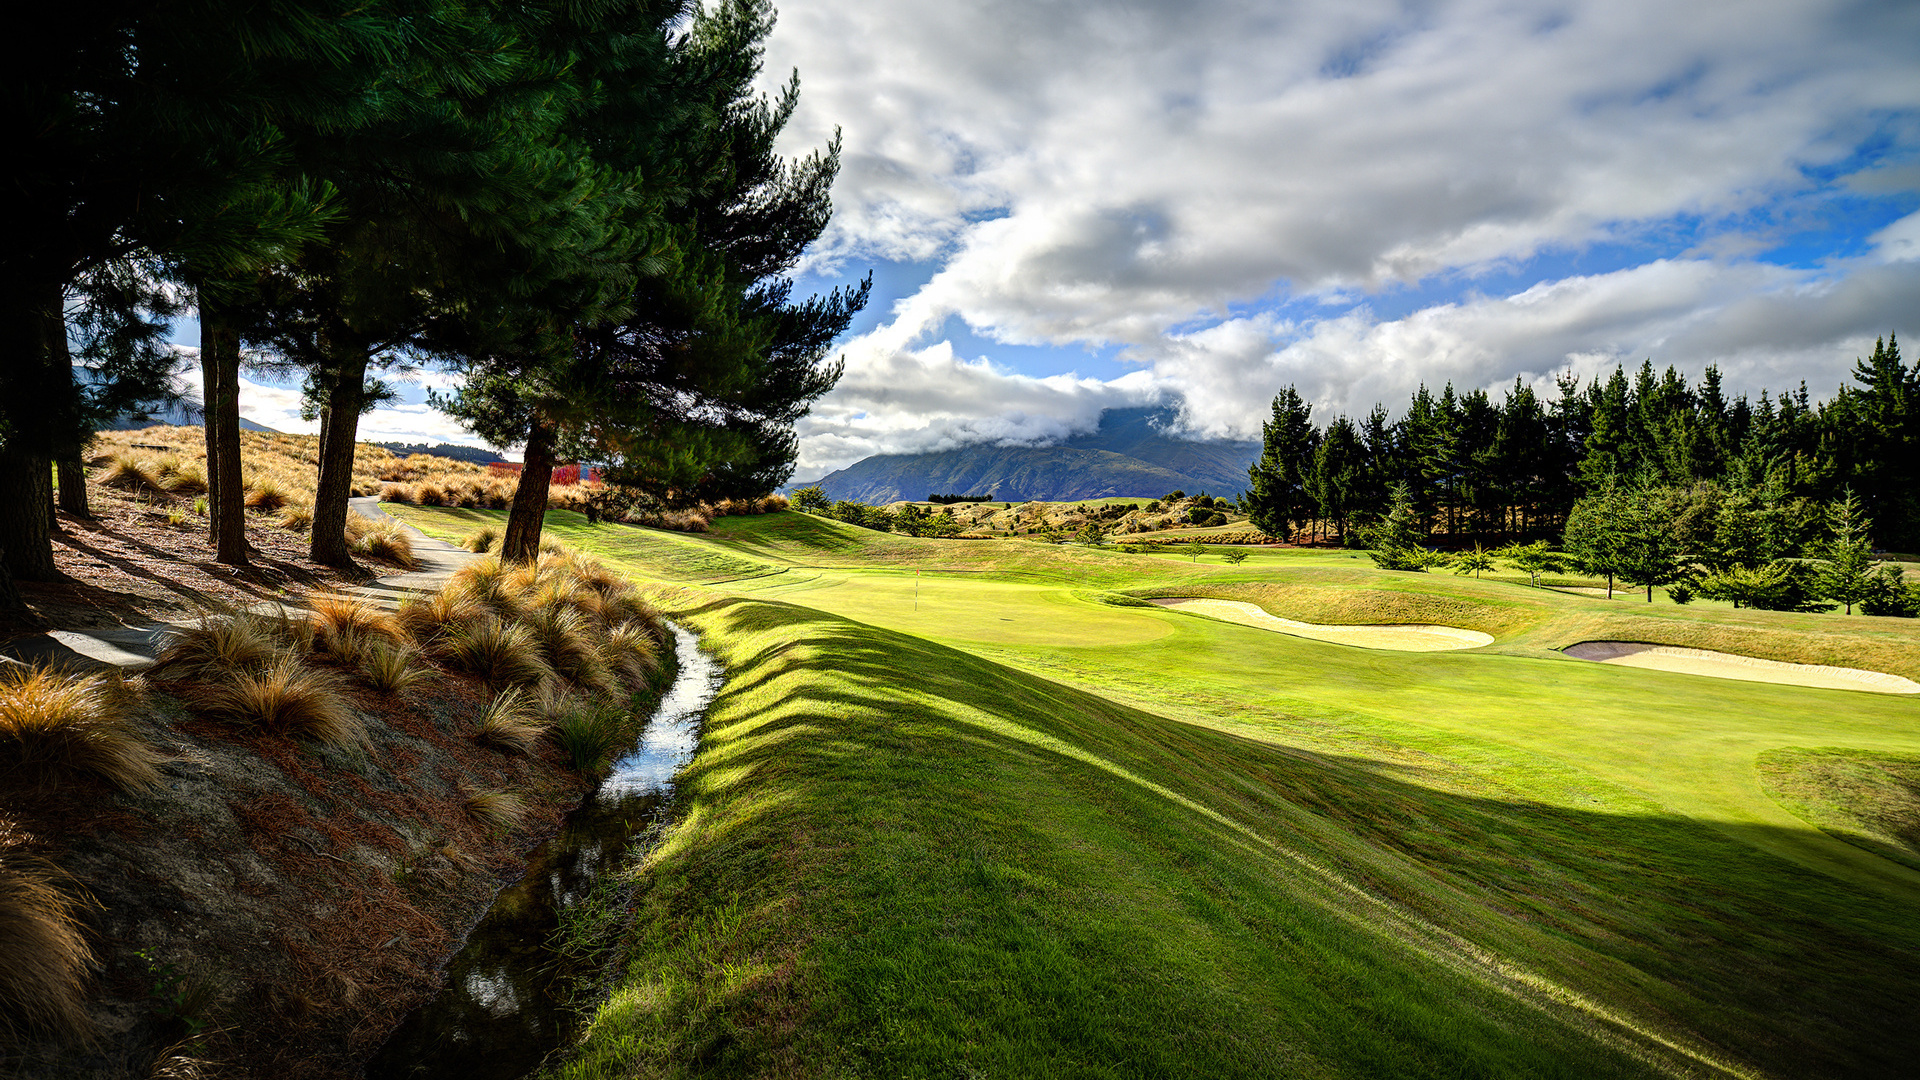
x: 1029, y: 830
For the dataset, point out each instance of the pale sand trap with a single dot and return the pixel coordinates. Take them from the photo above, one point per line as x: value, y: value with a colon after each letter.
x: 1729, y: 666
x: 1405, y: 637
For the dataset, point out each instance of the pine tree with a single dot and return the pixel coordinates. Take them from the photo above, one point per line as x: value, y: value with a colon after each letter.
x: 1596, y: 536
x: 1847, y: 564
x: 1394, y: 543
x: 1277, y: 497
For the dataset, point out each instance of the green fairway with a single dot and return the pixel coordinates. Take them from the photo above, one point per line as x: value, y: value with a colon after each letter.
x: 1028, y: 829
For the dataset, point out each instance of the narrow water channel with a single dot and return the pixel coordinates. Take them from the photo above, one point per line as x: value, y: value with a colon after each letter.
x: 498, y: 1016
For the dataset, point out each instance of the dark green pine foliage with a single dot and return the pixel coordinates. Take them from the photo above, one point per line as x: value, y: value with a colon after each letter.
x: 1879, y: 434
x: 693, y: 392
x: 1277, y: 499
x: 141, y: 132
x: 1846, y: 566
x: 473, y: 224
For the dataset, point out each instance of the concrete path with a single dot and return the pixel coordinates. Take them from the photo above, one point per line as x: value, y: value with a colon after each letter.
x: 130, y: 647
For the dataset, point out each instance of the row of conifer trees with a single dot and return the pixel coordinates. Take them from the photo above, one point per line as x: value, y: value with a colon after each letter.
x: 1483, y: 470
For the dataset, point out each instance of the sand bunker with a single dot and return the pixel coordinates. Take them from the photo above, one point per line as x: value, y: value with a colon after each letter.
x: 1729, y: 666
x: 1405, y: 637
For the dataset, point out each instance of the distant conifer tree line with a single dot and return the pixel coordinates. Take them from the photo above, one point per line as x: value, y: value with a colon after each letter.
x: 1481, y: 469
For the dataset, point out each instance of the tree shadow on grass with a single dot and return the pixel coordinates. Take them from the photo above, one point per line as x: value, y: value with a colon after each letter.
x: 1691, y: 934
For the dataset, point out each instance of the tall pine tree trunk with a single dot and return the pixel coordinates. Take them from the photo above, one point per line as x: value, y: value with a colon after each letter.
x: 40, y: 392
x: 73, y: 486
x: 528, y: 513
x: 220, y: 363
x: 341, y: 423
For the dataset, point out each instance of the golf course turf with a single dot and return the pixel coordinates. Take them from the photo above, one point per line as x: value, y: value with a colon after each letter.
x: 976, y: 808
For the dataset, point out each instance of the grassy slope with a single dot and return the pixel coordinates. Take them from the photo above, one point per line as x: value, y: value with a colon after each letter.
x: 1089, y: 815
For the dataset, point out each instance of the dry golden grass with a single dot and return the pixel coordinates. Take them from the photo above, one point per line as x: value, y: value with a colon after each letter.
x: 287, y: 698
x: 482, y: 541
x: 381, y: 538
x: 506, y: 725
x: 429, y: 619
x: 567, y: 645
x: 391, y: 668
x: 633, y: 653
x: 496, y: 809
x: 46, y: 957
x: 220, y: 644
x: 56, y: 727
x: 499, y: 654
x: 290, y: 463
x: 180, y: 476
x: 134, y: 474
x: 265, y: 494
x: 490, y: 583
x: 345, y: 626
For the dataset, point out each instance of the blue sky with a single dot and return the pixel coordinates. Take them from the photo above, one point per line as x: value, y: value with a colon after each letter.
x: 1076, y: 205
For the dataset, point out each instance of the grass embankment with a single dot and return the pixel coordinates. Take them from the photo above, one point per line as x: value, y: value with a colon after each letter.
x: 1027, y: 832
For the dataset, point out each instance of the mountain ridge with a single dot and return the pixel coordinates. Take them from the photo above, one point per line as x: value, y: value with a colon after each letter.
x: 1128, y: 455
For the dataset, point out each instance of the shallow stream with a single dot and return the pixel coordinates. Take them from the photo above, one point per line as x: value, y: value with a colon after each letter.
x: 500, y: 1013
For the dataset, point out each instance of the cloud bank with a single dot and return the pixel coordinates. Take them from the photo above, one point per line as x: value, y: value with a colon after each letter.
x: 1235, y: 196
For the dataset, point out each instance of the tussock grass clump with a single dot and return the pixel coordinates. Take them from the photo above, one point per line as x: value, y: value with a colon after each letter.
x: 296, y: 518
x: 505, y: 725
x: 43, y: 978
x: 390, y: 668
x: 567, y: 644
x: 219, y: 645
x: 430, y: 494
x: 265, y: 494
x: 55, y: 727
x: 499, y: 654
x: 498, y: 810
x: 135, y: 475
x: 590, y: 736
x: 381, y: 539
x: 287, y: 698
x: 633, y: 653
x: 345, y: 626
x: 181, y: 477
x: 396, y: 493
x: 489, y: 583
x: 429, y: 619
x: 482, y: 540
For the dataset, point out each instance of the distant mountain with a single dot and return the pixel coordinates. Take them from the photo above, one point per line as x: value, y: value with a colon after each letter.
x: 179, y: 416
x: 1130, y: 455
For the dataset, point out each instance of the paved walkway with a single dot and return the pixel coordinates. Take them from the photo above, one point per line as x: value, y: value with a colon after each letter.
x: 130, y: 647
